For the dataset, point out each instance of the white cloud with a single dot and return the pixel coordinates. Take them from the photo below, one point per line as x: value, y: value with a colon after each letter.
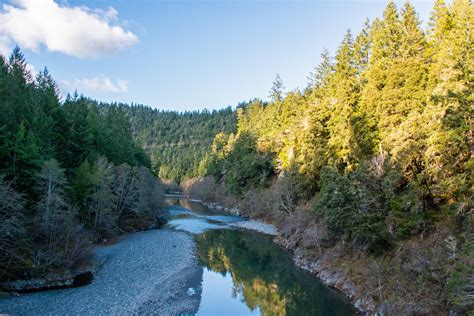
x: 4, y: 46
x: 32, y: 69
x: 76, y: 31
x: 97, y: 84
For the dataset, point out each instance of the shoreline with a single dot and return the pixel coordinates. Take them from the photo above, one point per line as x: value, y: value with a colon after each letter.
x: 127, y: 283
x: 332, y: 279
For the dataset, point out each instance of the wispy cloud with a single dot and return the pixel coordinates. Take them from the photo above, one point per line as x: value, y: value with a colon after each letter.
x: 97, y: 84
x: 77, y: 31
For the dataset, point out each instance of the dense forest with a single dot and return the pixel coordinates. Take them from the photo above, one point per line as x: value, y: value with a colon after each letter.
x: 381, y: 142
x: 177, y: 142
x: 70, y: 174
x: 369, y: 169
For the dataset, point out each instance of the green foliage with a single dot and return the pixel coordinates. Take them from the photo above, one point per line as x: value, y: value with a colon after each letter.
x: 383, y: 131
x: 177, y: 142
x: 238, y: 162
x: 82, y: 185
x: 352, y: 210
x: 276, y: 92
x: 49, y: 189
x: 245, y: 166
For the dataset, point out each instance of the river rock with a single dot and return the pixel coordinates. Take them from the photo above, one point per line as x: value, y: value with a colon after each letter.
x: 69, y: 278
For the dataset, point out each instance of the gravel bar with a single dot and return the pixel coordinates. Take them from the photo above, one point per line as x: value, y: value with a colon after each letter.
x: 152, y: 272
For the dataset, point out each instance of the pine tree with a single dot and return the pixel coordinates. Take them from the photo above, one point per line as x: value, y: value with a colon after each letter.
x: 449, y: 154
x: 19, y: 87
x: 7, y: 117
x: 276, y: 92
x: 385, y: 38
x: 81, y: 138
x: 401, y: 126
x: 362, y: 50
x: 319, y: 77
x: 49, y: 119
x: 24, y: 161
x: 344, y: 100
x: 440, y: 22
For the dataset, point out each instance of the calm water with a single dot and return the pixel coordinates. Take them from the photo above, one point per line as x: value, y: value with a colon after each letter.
x: 245, y: 273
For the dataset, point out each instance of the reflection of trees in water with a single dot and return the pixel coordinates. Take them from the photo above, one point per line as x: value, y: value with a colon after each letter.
x: 265, y: 276
x: 186, y: 203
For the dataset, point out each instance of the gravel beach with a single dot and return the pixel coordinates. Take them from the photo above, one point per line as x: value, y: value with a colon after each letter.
x: 151, y: 272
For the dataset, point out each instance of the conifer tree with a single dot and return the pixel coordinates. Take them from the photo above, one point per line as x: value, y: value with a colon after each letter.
x: 401, y: 126
x: 375, y: 100
x: 362, y: 50
x: 322, y: 72
x: 344, y: 98
x: 49, y: 120
x: 450, y: 146
x: 276, y: 92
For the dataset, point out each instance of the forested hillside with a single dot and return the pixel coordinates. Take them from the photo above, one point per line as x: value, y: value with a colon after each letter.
x: 381, y: 143
x: 70, y: 174
x: 177, y: 142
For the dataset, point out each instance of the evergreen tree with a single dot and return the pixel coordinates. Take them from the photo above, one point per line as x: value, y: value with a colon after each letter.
x: 25, y: 160
x: 450, y: 143
x: 401, y: 125
x: 376, y: 101
x: 343, y: 104
x: 49, y: 120
x: 318, y: 78
x: 276, y: 92
x: 362, y: 50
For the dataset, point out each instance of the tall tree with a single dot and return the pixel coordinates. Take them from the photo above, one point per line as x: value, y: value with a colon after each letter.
x: 386, y: 36
x: 401, y: 125
x: 276, y: 92
x: 50, y: 122
x: 53, y: 208
x: 320, y: 75
x: 450, y: 148
x: 362, y: 49
x: 343, y: 105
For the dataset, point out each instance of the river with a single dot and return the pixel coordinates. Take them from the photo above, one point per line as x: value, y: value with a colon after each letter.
x: 200, y: 263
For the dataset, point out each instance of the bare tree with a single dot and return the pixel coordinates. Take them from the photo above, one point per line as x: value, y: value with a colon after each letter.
x: 52, y: 204
x: 13, y: 234
x: 378, y: 162
x: 61, y: 238
x: 148, y: 194
x: 103, y: 199
x: 124, y: 185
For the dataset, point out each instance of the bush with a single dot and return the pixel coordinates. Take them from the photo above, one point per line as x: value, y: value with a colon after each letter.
x: 203, y: 189
x: 246, y: 167
x: 352, y: 210
x: 371, y: 207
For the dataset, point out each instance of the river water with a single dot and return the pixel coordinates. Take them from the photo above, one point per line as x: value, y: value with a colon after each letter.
x: 245, y: 273
x: 201, y: 263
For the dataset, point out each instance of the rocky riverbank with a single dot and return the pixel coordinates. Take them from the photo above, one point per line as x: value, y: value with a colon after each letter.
x: 145, y: 272
x: 328, y: 275
x: 323, y: 265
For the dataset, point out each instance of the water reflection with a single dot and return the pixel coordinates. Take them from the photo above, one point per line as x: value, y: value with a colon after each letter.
x: 183, y: 203
x: 245, y: 273
x: 247, y: 268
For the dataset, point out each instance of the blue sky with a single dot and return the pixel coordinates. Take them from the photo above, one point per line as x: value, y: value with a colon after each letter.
x: 181, y: 55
